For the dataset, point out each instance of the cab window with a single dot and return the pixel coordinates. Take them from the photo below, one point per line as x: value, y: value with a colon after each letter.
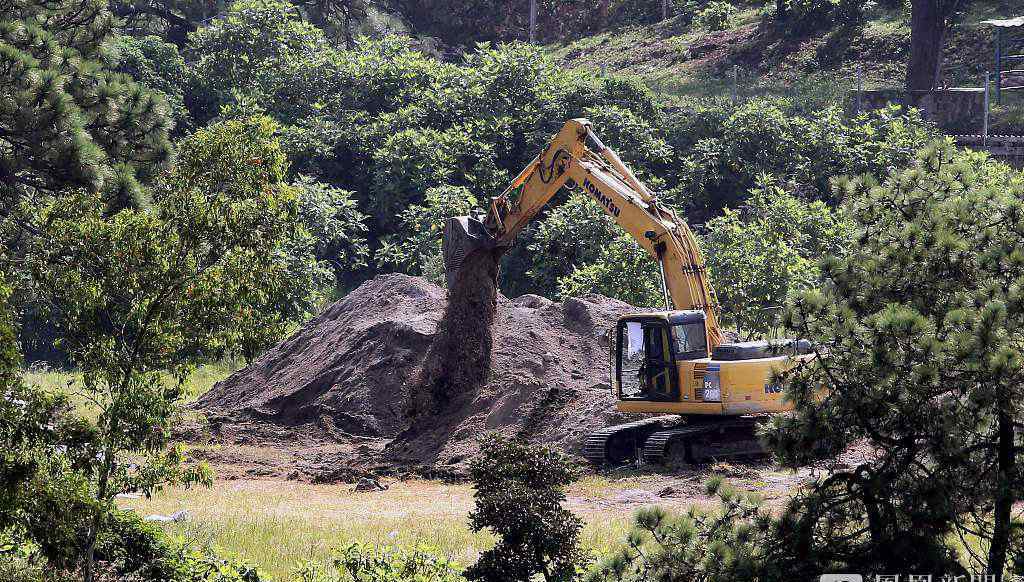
x: 690, y: 339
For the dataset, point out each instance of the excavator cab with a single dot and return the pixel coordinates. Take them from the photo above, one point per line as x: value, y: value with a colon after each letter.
x: 646, y: 352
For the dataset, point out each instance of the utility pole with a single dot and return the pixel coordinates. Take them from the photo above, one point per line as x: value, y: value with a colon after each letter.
x: 664, y: 9
x: 735, y: 84
x: 533, y: 21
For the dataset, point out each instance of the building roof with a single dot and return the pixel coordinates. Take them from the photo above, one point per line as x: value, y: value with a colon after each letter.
x: 1006, y: 23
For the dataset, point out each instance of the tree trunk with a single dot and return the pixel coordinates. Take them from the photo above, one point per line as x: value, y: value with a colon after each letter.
x: 101, y: 495
x: 781, y: 9
x: 927, y: 31
x: 1004, y: 496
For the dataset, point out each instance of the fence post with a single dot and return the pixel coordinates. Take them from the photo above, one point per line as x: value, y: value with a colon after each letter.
x: 984, y: 127
x: 533, y: 21
x: 999, y: 64
x: 860, y: 88
x: 604, y: 69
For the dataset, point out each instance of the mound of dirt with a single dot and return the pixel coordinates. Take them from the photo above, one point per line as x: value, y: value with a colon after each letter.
x: 345, y: 383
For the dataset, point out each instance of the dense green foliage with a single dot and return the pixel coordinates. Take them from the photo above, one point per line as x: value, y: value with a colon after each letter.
x: 415, y: 140
x: 919, y: 328
x: 141, y: 296
x: 67, y: 120
x: 37, y: 500
x: 724, y: 152
x: 767, y: 249
x: 739, y: 540
x: 807, y: 16
x: 520, y: 489
x: 364, y: 563
x: 714, y: 16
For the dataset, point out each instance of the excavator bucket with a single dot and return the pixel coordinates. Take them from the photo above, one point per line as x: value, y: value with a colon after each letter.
x: 463, y: 235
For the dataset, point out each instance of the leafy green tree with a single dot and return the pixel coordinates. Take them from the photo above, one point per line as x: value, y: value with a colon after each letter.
x: 418, y: 250
x: 69, y: 121
x: 240, y: 54
x: 724, y: 151
x: 520, y: 489
x: 919, y: 329
x: 334, y: 233
x: 141, y: 296
x: 623, y: 270
x: 770, y: 247
x: 157, y: 65
x: 570, y: 237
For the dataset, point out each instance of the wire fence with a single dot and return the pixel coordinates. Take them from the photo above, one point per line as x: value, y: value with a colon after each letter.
x: 955, y: 110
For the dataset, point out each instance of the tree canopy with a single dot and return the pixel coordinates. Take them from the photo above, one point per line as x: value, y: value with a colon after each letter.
x: 918, y: 329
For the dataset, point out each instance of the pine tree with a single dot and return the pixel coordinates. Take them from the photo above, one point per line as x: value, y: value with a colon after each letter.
x: 66, y: 120
x: 920, y: 335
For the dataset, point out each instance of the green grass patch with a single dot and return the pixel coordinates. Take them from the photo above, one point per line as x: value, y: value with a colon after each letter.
x: 69, y: 382
x: 276, y: 525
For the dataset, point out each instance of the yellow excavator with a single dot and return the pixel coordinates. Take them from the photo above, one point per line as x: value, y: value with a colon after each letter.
x: 677, y: 363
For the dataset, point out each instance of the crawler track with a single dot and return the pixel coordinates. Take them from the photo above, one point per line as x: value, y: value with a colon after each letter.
x: 656, y: 441
x: 704, y: 440
x: 622, y: 443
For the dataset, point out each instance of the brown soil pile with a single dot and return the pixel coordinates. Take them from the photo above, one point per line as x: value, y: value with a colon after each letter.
x: 340, y: 388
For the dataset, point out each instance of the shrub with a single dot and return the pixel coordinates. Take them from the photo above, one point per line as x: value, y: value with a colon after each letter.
x: 715, y: 16
x: 418, y: 249
x: 767, y: 249
x: 740, y: 541
x: 807, y: 16
x: 723, y: 151
x: 365, y: 563
x: 519, y: 496
x: 622, y: 270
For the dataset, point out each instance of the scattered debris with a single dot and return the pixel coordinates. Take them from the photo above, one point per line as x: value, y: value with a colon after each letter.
x: 369, y: 484
x: 177, y: 516
x: 733, y: 470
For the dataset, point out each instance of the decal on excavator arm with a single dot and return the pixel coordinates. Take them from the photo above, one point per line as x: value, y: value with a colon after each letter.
x: 600, y: 197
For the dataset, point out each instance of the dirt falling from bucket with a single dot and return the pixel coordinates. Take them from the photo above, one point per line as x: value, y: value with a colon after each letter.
x: 459, y: 360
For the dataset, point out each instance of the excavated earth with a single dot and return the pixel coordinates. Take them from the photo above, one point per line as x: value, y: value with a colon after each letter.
x: 340, y: 397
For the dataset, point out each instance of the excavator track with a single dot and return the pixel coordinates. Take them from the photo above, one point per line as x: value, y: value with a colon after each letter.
x: 657, y: 441
x: 704, y: 440
x: 622, y: 443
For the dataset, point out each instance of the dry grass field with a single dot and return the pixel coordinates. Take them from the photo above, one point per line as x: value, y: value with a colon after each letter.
x: 275, y: 524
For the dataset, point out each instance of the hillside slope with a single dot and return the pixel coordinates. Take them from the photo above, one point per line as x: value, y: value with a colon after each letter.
x: 678, y: 57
